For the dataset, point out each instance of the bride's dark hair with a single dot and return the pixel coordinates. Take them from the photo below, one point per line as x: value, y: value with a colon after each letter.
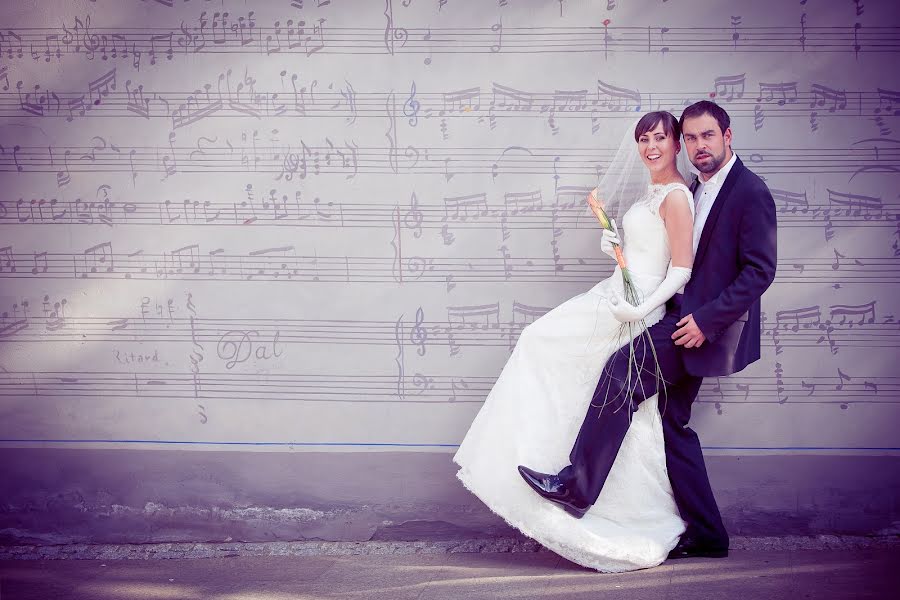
x: 649, y: 122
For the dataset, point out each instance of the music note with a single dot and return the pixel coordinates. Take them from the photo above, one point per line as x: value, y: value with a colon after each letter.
x: 97, y: 258
x: 185, y: 260
x: 498, y: 29
x: 522, y: 202
x: 218, y: 263
x: 522, y: 316
x: 865, y: 312
x: 40, y: 263
x: 464, y: 207
x: 790, y: 202
x: 168, y: 163
x: 780, y: 93
x: 729, y: 86
x: 794, y: 319
x: 822, y: 94
x: 470, y: 318
x: 618, y: 99
x: 162, y: 37
x: 869, y: 207
x: 427, y: 38
x: 607, y: 38
x: 99, y: 88
x: 462, y: 101
x: 887, y: 100
x: 508, y: 98
x: 7, y: 262
x: 735, y: 36
x: 837, y: 261
x: 507, y: 267
x: 76, y: 105
x: 289, y: 264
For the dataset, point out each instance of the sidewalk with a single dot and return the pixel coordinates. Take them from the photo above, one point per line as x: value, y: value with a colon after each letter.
x: 748, y: 574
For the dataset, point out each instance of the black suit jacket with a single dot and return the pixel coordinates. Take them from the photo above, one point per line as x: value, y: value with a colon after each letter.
x: 735, y: 263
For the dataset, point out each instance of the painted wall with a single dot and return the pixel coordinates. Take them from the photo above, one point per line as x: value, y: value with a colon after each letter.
x: 260, y: 262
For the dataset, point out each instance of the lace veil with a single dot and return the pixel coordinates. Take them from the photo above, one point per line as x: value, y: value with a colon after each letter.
x: 624, y: 182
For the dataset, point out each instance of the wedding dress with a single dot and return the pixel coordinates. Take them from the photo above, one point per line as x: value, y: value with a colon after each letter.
x: 535, y: 410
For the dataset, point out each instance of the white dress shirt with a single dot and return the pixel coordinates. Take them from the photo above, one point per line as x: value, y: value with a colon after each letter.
x: 705, y: 196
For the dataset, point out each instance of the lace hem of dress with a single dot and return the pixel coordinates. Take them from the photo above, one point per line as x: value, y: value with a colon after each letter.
x: 582, y: 558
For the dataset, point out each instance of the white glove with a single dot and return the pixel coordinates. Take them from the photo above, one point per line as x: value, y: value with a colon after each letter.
x: 625, y: 312
x: 610, y: 238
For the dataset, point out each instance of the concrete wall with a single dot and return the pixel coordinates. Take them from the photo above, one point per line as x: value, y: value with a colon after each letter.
x: 238, y: 278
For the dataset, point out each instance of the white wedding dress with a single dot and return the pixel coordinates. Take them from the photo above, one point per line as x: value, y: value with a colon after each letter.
x: 534, y: 412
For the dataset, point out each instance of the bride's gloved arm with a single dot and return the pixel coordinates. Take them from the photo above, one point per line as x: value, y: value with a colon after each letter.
x: 677, y: 212
x: 626, y: 312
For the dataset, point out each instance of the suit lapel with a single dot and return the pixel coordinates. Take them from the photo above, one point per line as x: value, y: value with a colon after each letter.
x: 695, y: 183
x: 721, y: 198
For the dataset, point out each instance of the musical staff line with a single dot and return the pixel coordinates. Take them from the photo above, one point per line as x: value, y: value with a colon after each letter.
x: 879, y: 156
x: 824, y: 331
x: 355, y: 388
x: 284, y: 264
x: 279, y: 210
x: 242, y: 36
x: 498, y: 101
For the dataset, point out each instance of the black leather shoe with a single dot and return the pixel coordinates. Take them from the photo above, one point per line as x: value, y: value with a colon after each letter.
x: 690, y: 548
x: 554, y: 490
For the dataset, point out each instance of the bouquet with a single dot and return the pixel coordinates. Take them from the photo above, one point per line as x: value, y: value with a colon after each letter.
x: 642, y: 335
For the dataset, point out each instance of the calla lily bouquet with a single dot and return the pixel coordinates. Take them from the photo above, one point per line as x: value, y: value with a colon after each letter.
x: 636, y: 332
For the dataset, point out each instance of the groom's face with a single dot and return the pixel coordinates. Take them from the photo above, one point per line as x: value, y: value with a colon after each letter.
x: 707, y: 145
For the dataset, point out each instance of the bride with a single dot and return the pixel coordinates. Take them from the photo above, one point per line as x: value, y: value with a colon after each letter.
x: 533, y: 413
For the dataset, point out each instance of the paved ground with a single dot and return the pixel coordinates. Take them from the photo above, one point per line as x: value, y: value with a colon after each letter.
x: 745, y: 575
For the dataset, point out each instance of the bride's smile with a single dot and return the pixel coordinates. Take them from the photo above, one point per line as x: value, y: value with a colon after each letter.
x: 658, y: 149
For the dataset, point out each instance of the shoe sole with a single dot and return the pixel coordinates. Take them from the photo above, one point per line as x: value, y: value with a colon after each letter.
x: 575, y: 512
x: 569, y: 509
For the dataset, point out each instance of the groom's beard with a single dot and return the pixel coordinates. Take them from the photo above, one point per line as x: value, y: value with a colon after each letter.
x: 710, y: 166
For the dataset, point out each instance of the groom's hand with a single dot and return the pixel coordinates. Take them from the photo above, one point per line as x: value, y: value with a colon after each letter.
x: 689, y: 335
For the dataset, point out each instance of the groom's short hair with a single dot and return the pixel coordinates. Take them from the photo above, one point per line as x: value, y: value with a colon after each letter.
x: 705, y: 107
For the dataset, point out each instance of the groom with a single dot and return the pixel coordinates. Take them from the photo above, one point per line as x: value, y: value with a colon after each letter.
x: 712, y: 329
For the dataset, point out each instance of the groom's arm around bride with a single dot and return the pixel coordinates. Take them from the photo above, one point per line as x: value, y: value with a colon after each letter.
x: 734, y: 263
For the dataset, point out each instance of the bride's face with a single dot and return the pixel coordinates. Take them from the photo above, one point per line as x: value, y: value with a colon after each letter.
x: 658, y: 150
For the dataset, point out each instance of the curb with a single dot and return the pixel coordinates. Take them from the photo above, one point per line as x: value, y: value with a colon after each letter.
x: 186, y: 550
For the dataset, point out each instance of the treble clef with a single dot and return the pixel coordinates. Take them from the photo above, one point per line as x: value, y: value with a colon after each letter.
x: 289, y: 166
x: 411, y: 106
x: 419, y: 335
x: 413, y: 217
